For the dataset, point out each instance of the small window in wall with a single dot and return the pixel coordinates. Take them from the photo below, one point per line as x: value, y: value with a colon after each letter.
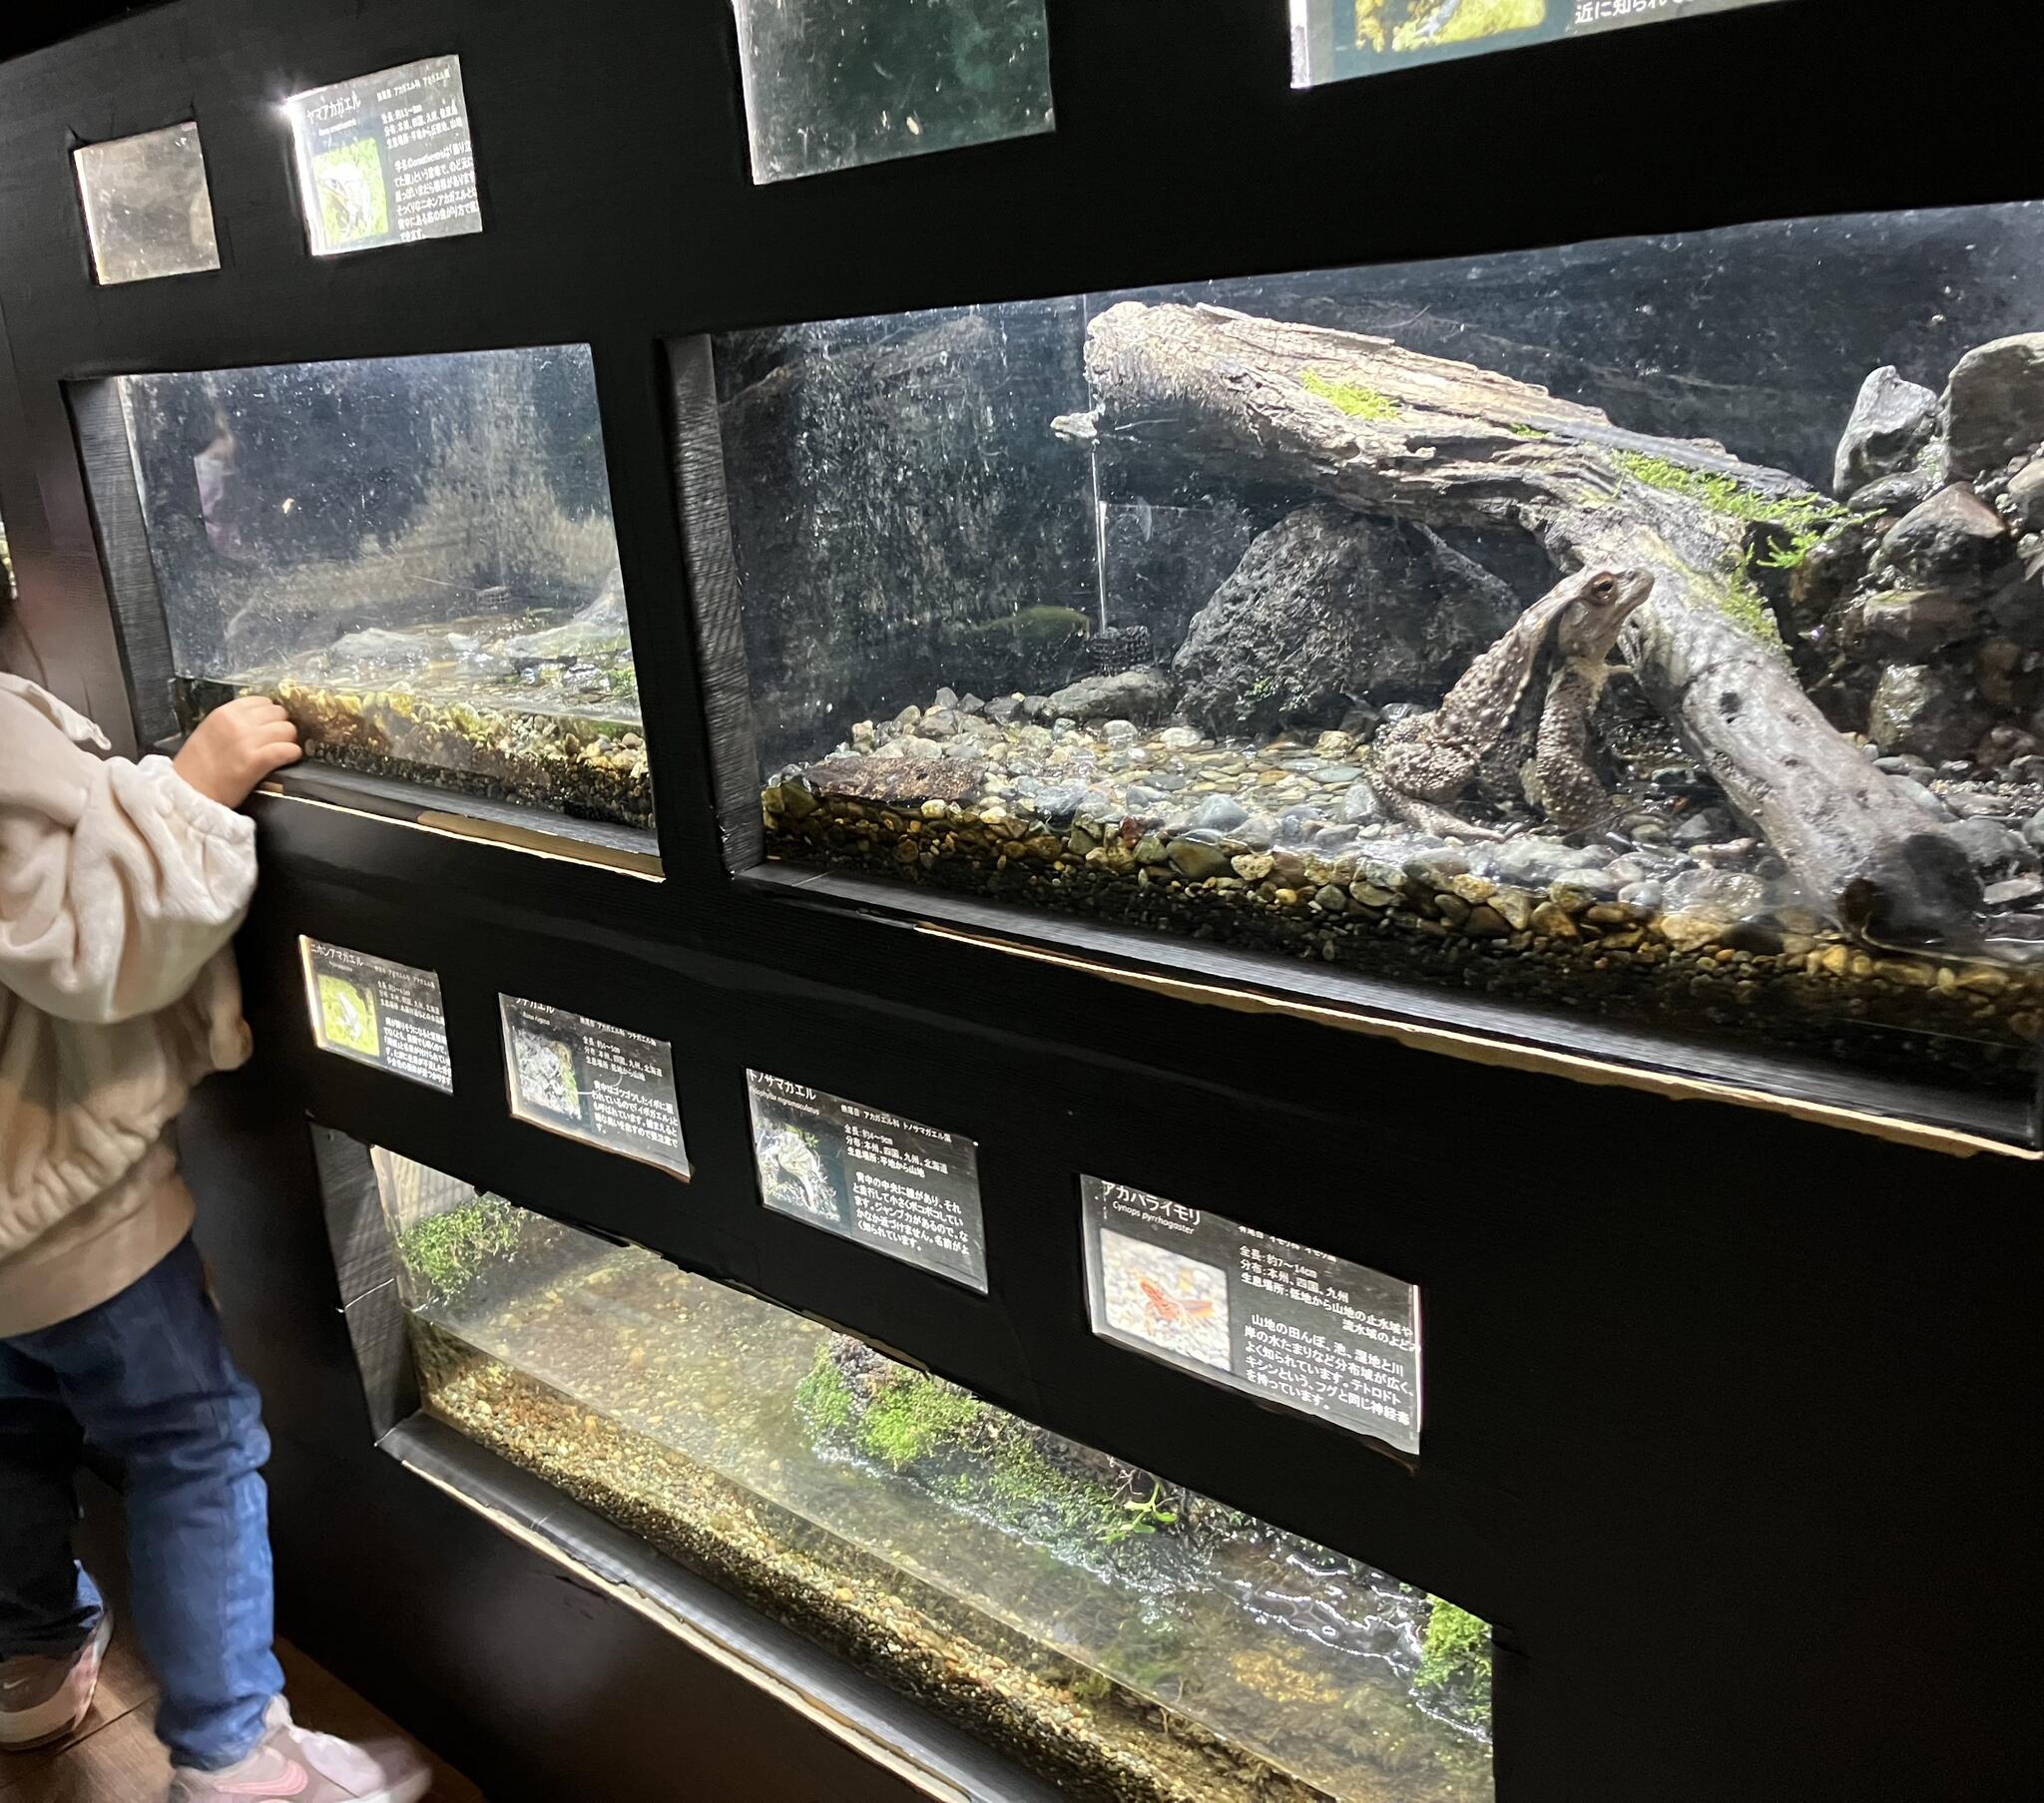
x: 1121, y: 1633
x: 148, y: 211
x: 385, y: 158
x: 830, y: 84
x: 1332, y: 40
x: 414, y: 555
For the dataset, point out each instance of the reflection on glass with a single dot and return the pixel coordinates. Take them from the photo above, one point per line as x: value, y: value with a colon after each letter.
x: 147, y: 209
x: 1332, y: 40
x: 414, y: 555
x: 1652, y: 627
x: 830, y: 84
x: 1127, y: 1637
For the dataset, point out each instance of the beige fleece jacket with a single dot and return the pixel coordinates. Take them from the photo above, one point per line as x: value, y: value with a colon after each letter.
x: 120, y: 888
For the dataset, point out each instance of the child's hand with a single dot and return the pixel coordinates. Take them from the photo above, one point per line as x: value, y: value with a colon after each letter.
x: 234, y: 746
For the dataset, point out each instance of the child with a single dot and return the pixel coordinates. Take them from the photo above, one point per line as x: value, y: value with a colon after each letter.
x: 120, y: 884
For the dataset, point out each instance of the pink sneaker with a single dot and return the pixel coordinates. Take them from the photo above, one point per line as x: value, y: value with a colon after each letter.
x: 293, y: 1765
x: 42, y: 1701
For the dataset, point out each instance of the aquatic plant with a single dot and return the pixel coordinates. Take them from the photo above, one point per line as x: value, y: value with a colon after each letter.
x: 1455, y: 1656
x: 451, y: 1251
x: 1357, y: 402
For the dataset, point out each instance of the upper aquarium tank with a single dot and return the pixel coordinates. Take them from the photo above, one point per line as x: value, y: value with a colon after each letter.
x: 414, y: 555
x: 1650, y: 628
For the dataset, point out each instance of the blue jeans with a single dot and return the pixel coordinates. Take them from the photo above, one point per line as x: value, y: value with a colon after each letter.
x: 147, y: 1379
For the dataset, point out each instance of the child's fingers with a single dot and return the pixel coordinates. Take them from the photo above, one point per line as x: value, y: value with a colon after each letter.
x: 276, y: 755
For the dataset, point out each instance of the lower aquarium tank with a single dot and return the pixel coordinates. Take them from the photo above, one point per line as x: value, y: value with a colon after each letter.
x: 414, y: 555
x: 1653, y: 629
x: 1124, y: 1636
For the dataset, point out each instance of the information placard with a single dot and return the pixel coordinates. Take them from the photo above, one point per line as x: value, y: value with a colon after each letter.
x: 377, y: 1013
x: 1243, y: 1308
x: 385, y: 158
x: 587, y: 1081
x: 901, y: 1187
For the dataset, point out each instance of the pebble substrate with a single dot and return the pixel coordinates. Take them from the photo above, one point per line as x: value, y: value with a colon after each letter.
x: 1093, y: 1738
x: 1284, y: 845
x: 586, y: 768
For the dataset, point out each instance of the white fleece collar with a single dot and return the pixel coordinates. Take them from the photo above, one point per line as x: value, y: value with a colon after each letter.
x: 65, y: 719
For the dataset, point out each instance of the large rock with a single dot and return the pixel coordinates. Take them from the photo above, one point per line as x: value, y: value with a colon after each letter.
x: 1892, y: 424
x: 1994, y: 404
x: 1129, y: 694
x: 1915, y: 620
x: 1327, y: 607
x: 1927, y: 710
x: 1953, y: 537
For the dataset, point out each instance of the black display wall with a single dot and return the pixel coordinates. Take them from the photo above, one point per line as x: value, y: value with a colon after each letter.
x: 1726, y: 1423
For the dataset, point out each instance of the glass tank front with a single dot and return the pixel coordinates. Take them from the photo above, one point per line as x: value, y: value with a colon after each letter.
x: 414, y: 555
x: 1126, y: 1638
x: 1650, y: 628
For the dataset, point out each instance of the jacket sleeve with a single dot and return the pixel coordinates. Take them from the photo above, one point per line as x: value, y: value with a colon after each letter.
x: 117, y: 880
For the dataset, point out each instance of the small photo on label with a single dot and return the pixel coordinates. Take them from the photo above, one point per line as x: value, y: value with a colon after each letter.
x: 794, y: 1178
x: 347, y: 1016
x: 1176, y: 1304
x: 546, y: 1073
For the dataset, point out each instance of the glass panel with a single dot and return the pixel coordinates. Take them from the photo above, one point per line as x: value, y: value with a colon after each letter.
x: 147, y: 209
x: 414, y: 555
x: 1332, y: 40
x: 1123, y: 1634
x: 1650, y: 627
x: 830, y: 84
x: 385, y: 158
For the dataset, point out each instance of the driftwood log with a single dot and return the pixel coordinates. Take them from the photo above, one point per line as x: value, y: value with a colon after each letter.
x: 1385, y: 430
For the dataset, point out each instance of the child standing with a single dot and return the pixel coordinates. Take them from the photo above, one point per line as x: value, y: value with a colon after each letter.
x: 120, y: 884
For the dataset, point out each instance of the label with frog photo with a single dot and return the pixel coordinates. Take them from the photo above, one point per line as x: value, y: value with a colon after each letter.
x: 1243, y: 1308
x: 587, y: 1081
x: 385, y: 158
x: 377, y: 1013
x: 896, y: 1185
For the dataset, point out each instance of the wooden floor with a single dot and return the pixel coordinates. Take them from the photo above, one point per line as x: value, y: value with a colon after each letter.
x: 116, y: 1758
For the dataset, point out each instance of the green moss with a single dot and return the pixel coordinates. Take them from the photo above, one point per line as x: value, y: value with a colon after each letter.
x: 1357, y: 402
x: 450, y: 1252
x: 1744, y: 604
x: 913, y: 1418
x: 823, y: 1397
x: 1456, y: 1653
x: 1805, y: 518
x: 1520, y: 430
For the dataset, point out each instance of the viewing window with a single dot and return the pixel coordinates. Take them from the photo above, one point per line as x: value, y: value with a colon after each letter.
x: 1124, y: 1636
x: 414, y: 555
x: 1651, y: 628
x: 830, y: 84
x: 148, y: 211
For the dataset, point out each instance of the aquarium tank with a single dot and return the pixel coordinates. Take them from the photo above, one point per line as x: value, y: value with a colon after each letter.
x: 1651, y: 628
x: 1124, y: 1636
x: 414, y: 555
